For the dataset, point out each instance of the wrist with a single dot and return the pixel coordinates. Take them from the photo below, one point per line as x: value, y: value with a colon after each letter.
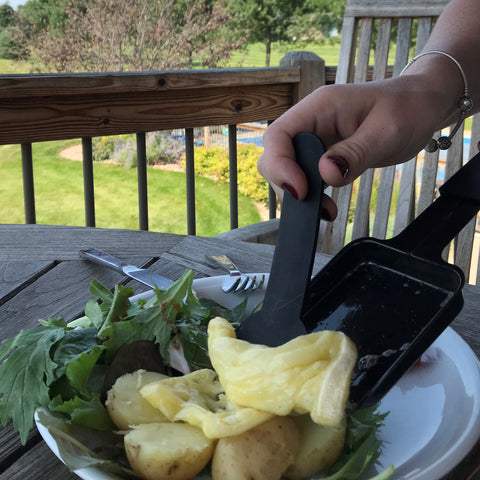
x: 464, y: 102
x: 441, y: 77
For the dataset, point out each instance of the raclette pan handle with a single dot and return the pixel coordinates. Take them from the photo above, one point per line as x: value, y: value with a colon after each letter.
x: 437, y: 225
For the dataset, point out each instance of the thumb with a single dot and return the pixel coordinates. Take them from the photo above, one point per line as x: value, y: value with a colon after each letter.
x: 369, y: 146
x: 375, y: 143
x: 344, y: 162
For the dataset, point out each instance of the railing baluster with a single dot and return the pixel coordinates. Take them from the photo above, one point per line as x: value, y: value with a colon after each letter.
x: 233, y: 162
x: 190, y: 178
x: 272, y: 203
x: 142, y: 181
x: 28, y: 188
x: 88, y: 190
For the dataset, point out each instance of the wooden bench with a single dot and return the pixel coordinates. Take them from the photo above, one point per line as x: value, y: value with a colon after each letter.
x: 378, y: 38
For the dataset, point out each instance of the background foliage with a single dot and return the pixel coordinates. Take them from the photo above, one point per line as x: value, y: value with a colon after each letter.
x: 269, y: 21
x: 119, y: 35
x: 163, y: 148
x: 213, y: 161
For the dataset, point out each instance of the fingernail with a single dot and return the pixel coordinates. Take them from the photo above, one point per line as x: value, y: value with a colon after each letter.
x: 326, y: 215
x: 291, y: 190
x: 340, y: 163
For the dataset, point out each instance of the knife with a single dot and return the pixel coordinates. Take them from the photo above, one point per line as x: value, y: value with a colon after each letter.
x: 142, y: 275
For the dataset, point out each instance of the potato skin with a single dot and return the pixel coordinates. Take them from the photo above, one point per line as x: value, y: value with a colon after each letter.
x: 167, y: 451
x: 126, y: 406
x: 319, y: 447
x: 262, y: 453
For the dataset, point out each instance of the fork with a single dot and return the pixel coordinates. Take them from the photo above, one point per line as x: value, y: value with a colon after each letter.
x: 237, y: 282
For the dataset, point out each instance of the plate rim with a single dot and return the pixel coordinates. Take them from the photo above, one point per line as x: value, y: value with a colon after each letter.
x: 470, y: 435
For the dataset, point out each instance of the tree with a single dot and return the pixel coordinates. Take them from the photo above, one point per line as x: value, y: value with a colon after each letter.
x: 12, y: 45
x: 21, y: 27
x: 265, y: 21
x: 7, y: 15
x: 118, y: 35
x: 317, y: 19
x: 35, y: 16
x: 269, y: 21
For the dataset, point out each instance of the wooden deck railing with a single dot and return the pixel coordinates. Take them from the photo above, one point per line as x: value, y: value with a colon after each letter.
x: 44, y: 107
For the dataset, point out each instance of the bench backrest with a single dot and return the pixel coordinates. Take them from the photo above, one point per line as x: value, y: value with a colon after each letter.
x: 378, y: 34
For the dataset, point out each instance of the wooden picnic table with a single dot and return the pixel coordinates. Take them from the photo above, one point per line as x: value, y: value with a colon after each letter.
x: 42, y: 276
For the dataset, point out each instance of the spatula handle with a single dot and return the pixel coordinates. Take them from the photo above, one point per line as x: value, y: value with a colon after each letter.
x: 280, y: 317
x: 297, y: 235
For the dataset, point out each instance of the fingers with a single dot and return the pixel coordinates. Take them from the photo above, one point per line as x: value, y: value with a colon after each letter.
x: 380, y: 139
x: 364, y: 126
x: 346, y: 160
x: 327, y: 113
x: 278, y: 164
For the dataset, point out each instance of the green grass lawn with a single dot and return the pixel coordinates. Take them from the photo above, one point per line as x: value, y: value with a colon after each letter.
x: 254, y: 54
x: 10, y: 66
x: 59, y: 194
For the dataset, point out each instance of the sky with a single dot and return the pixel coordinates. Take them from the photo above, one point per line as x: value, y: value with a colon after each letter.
x: 14, y: 3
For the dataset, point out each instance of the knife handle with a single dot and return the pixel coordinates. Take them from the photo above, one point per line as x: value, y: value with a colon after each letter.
x: 105, y: 259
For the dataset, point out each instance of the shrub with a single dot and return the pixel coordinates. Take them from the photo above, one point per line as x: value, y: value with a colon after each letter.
x: 213, y: 161
x: 162, y: 148
x: 12, y: 43
x: 103, y: 148
x: 250, y: 182
x: 125, y: 151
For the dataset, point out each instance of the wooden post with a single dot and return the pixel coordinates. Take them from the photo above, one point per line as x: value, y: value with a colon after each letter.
x: 206, y: 136
x: 312, y: 72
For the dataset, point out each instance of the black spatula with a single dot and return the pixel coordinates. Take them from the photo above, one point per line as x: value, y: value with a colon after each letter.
x: 279, y: 319
x: 394, y: 297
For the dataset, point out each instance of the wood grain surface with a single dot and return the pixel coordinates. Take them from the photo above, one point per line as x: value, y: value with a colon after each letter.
x: 42, y: 275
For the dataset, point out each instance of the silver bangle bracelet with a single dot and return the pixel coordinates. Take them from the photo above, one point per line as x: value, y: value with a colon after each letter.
x: 465, y: 103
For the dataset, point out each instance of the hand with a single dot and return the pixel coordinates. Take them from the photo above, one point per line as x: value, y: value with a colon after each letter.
x: 363, y: 126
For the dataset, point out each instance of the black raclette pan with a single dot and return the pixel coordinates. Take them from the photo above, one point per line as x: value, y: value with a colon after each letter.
x: 394, y: 297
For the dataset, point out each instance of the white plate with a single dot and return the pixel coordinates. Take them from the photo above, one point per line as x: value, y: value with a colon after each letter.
x: 434, y: 418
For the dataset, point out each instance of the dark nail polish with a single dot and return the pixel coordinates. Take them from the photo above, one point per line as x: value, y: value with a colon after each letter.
x: 326, y: 215
x: 340, y: 163
x: 291, y: 190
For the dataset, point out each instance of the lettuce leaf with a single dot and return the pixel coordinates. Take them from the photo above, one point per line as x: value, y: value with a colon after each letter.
x: 362, y: 447
x: 88, y: 412
x: 26, y: 374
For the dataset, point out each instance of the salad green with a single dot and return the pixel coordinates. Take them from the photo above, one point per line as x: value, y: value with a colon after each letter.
x: 63, y: 367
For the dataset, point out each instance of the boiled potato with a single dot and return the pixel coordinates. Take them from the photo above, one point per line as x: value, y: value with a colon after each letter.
x: 262, y: 453
x: 125, y: 404
x: 173, y: 451
x: 319, y: 448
